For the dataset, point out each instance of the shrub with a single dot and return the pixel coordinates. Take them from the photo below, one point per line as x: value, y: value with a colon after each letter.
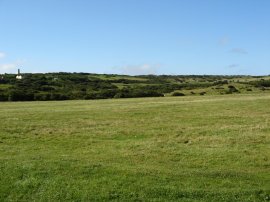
x: 42, y: 96
x: 178, y: 94
x: 202, y: 93
x: 232, y: 89
x: 20, y: 95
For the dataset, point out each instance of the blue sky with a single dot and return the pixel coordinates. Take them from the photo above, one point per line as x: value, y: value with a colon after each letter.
x: 136, y: 36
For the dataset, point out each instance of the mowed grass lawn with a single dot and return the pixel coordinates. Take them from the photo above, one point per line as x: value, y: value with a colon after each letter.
x: 212, y: 148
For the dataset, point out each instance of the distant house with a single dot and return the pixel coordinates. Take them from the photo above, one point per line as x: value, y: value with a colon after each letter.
x: 19, y: 76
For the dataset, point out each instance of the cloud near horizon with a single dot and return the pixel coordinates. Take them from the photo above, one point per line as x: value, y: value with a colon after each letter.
x: 7, y: 68
x: 10, y: 67
x: 2, y: 54
x: 144, y: 69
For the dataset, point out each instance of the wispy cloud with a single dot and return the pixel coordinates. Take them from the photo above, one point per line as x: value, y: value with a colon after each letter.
x: 143, y: 69
x: 239, y: 51
x: 233, y: 65
x: 223, y: 41
x: 2, y: 54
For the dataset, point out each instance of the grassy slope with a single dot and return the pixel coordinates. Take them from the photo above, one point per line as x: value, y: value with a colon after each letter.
x: 213, y: 148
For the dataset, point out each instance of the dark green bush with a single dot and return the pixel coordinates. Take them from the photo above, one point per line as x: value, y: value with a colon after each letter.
x: 232, y: 89
x: 178, y: 94
x: 202, y: 93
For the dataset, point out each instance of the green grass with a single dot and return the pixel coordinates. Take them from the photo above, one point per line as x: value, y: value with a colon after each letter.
x: 4, y: 86
x: 200, y: 148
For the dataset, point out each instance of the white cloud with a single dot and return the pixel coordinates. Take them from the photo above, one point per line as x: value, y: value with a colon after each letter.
x: 143, y: 69
x: 2, y: 55
x: 238, y: 51
x: 7, y: 68
x: 10, y: 67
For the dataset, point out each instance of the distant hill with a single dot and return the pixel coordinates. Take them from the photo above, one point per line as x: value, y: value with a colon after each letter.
x: 72, y: 86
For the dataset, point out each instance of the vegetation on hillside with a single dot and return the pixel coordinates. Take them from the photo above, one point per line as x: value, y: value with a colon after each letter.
x: 72, y: 86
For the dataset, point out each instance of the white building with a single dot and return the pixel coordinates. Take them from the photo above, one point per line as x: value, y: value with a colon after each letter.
x: 19, y: 76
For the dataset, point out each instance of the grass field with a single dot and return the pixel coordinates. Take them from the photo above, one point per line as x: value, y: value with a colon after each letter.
x: 212, y: 148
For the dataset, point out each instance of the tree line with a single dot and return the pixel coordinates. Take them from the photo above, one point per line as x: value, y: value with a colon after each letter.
x: 71, y: 86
